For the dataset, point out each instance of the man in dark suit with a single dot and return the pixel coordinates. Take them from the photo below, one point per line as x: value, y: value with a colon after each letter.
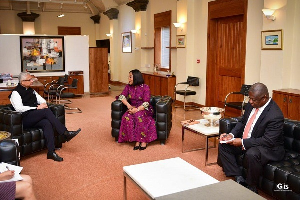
x: 258, y: 135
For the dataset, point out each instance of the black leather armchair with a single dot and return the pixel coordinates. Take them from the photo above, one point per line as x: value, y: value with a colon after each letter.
x: 9, y: 152
x: 279, y: 179
x: 30, y: 140
x: 162, y: 113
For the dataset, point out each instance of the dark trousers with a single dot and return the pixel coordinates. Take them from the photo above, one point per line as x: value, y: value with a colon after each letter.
x: 227, y: 156
x: 44, y: 119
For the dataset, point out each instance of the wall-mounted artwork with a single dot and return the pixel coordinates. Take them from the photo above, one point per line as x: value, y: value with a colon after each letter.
x: 126, y: 42
x: 180, y: 41
x: 271, y: 40
x: 42, y: 53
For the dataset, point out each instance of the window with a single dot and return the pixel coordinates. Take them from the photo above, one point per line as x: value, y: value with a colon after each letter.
x: 165, y: 51
x: 162, y: 40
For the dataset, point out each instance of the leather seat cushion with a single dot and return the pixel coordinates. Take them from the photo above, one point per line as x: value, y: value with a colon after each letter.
x: 183, y: 92
x: 67, y: 95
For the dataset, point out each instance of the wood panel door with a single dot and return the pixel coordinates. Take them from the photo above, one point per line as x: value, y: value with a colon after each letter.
x: 226, y: 50
x: 98, y: 70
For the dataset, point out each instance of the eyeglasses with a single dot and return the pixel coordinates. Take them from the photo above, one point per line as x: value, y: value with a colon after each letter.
x: 32, y: 79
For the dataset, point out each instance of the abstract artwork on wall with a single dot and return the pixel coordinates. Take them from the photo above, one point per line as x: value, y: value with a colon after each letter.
x: 42, y: 53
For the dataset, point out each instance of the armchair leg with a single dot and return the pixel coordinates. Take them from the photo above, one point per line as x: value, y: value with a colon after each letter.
x: 72, y: 112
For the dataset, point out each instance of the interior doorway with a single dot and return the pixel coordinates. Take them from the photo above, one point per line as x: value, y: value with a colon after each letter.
x: 227, y: 27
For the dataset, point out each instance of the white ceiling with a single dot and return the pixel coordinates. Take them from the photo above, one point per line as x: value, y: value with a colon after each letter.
x: 66, y: 6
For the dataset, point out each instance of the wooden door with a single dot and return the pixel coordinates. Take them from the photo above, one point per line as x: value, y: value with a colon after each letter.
x: 98, y: 70
x: 226, y: 50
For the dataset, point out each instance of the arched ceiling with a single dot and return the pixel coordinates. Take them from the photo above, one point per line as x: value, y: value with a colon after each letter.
x: 92, y: 7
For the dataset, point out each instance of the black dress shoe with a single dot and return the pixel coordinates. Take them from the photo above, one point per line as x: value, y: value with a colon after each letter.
x: 143, y: 148
x: 71, y: 134
x: 54, y: 156
x: 136, y: 147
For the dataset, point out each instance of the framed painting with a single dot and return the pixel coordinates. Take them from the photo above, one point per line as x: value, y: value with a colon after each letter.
x: 42, y: 53
x: 271, y: 40
x: 126, y: 42
x: 180, y: 41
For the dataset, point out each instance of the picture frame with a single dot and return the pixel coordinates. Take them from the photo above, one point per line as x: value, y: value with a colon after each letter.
x: 126, y: 42
x: 271, y: 40
x: 180, y: 41
x: 42, y: 53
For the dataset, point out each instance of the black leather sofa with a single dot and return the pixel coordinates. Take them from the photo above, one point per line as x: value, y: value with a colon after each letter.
x: 30, y: 140
x: 162, y: 114
x: 280, y: 180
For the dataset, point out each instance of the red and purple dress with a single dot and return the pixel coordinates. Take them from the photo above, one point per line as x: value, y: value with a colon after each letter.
x: 140, y: 126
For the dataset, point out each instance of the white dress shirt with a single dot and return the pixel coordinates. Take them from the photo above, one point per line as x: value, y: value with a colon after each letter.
x: 17, y: 103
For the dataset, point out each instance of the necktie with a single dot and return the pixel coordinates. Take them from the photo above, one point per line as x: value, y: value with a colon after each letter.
x: 248, y: 125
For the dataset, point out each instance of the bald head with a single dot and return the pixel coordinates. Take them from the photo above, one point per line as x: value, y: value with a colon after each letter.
x: 259, y: 90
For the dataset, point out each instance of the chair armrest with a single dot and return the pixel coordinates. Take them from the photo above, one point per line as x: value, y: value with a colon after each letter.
x: 58, y: 111
x: 227, y: 124
x: 117, y: 111
x: 9, y: 152
x: 164, y: 116
x: 183, y: 83
x: 230, y: 93
x: 11, y: 121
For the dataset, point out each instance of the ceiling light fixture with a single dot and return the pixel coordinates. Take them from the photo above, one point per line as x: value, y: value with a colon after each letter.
x: 61, y: 13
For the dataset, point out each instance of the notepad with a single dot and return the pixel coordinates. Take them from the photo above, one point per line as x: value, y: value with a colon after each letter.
x: 225, y: 141
x: 17, y: 169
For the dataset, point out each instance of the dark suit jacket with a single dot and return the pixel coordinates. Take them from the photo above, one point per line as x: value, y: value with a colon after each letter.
x: 267, y: 133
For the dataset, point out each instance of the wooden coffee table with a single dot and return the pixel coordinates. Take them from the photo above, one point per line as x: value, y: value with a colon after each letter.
x: 164, y: 177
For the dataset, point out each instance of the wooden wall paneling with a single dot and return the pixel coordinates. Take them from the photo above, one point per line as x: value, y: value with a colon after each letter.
x: 152, y: 85
x: 157, y: 85
x: 4, y: 97
x: 98, y: 70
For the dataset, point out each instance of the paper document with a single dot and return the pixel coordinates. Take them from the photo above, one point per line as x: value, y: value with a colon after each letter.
x: 225, y: 141
x: 5, y: 167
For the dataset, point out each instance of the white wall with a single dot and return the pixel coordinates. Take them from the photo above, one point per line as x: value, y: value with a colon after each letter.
x: 280, y: 68
x: 76, y: 56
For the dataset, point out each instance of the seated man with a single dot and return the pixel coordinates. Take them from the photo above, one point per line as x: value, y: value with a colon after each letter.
x: 35, y: 113
x: 258, y: 135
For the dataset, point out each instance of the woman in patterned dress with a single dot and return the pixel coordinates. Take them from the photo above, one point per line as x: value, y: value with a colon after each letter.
x: 137, y: 124
x: 15, y: 189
